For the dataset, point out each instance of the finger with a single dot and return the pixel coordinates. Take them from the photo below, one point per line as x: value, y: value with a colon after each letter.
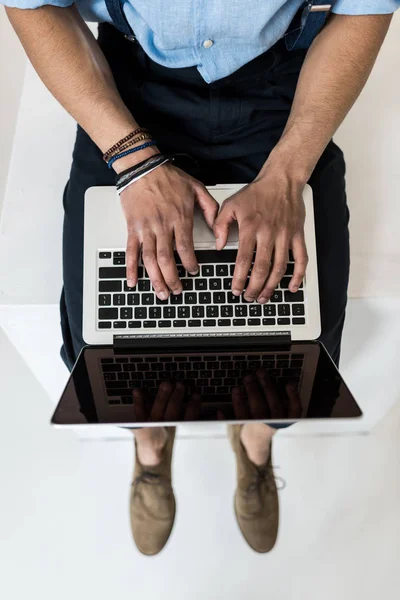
x: 193, y: 408
x: 300, y: 261
x: 208, y: 205
x: 278, y: 269
x: 175, y: 403
x: 244, y: 258
x: 221, y: 226
x: 138, y: 406
x: 161, y: 400
x: 240, y: 407
x: 257, y: 402
x: 166, y: 261
x: 295, y: 406
x: 259, y: 271
x: 271, y: 395
x: 132, y: 259
x: 150, y: 262
x: 185, y: 246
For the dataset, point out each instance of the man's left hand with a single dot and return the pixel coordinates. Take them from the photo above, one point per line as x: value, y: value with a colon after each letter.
x: 270, y: 214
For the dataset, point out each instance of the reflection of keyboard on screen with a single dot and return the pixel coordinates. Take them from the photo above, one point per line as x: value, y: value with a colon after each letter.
x: 206, y: 301
x: 211, y: 376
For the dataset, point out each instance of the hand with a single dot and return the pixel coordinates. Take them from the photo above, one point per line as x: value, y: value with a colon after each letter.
x: 168, y: 404
x: 263, y: 400
x: 270, y: 213
x: 159, y: 209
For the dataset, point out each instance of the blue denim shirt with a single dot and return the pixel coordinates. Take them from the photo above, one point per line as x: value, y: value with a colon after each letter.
x: 217, y: 36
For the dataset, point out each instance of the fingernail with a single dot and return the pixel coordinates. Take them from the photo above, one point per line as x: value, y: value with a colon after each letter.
x: 163, y: 295
x: 295, y: 288
x: 262, y: 300
x: 194, y: 272
x: 177, y: 291
x: 249, y: 299
x: 131, y: 283
x: 236, y: 292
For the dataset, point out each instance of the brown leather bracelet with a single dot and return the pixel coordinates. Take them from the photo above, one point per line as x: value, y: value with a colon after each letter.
x: 140, y: 138
x: 116, y: 146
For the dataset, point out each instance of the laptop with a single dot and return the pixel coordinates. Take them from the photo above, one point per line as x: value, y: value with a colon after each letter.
x: 206, y: 339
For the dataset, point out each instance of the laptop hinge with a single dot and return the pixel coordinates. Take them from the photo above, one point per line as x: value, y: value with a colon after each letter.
x: 201, y: 340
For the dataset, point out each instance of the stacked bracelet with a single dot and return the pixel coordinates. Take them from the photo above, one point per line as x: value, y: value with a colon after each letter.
x: 110, y: 151
x: 126, y: 178
x: 131, y: 151
x: 140, y: 138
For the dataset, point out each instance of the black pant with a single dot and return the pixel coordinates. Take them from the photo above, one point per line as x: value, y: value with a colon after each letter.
x: 230, y: 126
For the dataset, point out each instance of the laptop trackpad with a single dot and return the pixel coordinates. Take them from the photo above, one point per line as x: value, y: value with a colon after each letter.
x: 202, y: 234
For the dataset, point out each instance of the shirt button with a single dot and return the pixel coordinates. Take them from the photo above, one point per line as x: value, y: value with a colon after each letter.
x: 208, y: 43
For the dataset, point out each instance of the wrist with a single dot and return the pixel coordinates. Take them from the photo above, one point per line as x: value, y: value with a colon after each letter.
x: 133, y: 159
x: 288, y: 165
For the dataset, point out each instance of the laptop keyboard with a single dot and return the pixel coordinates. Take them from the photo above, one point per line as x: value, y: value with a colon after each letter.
x: 211, y: 376
x: 206, y: 301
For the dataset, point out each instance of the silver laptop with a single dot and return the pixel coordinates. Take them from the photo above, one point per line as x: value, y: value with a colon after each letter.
x: 206, y: 337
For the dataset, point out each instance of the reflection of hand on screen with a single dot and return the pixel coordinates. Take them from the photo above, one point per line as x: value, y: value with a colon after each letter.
x: 168, y: 405
x: 263, y: 400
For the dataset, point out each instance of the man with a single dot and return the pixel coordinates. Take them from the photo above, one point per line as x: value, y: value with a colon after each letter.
x: 254, y: 91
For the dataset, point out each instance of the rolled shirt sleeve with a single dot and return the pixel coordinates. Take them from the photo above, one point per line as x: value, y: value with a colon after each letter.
x: 35, y: 3
x: 364, y: 7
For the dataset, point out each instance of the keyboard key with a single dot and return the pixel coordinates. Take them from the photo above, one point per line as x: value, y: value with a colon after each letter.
x: 201, y: 284
x: 181, y: 271
x: 212, y: 311
x: 161, y: 302
x: 253, y: 322
x: 143, y: 367
x: 144, y: 285
x: 183, y: 312
x: 190, y: 298
x: 296, y: 297
x: 212, y: 364
x: 119, y: 299
x: 108, y: 313
x: 111, y: 376
x: 119, y: 254
x: 219, y: 297
x: 227, y: 284
x: 282, y: 364
x: 298, y: 321
x: 136, y: 359
x: 125, y: 313
x: 277, y: 297
x: 269, y: 321
x: 269, y: 310
x: 239, y: 322
x: 224, y: 322
x: 226, y: 311
x: 198, y: 312
x: 232, y: 299
x: 111, y: 368
x: 207, y: 270
x: 119, y: 325
x: 169, y: 312
x: 222, y: 389
x: 123, y: 376
x: 215, y: 284
x: 112, y: 385
x: 176, y: 298
x: 140, y: 312
x: 110, y: 286
x: 105, y: 300
x: 104, y: 254
x: 284, y: 310
x: 105, y: 325
x: 284, y: 321
x: 298, y: 309
x: 221, y: 270
x: 194, y: 323
x: 165, y: 323
x: 155, y: 312
x: 220, y: 373
x: 231, y: 269
x: 215, y: 381
x: 129, y: 367
x: 179, y: 323
x: 118, y: 261
x: 129, y: 289
x: 199, y: 366
x: 241, y: 310
x: 255, y: 310
x: 147, y: 299
x: 284, y: 283
x: 134, y: 325
x: 187, y: 285
x: 149, y: 324
x: 112, y: 273
x: 126, y: 400
x: 171, y: 367
x: 133, y: 299
x: 205, y: 298
x: 209, y: 323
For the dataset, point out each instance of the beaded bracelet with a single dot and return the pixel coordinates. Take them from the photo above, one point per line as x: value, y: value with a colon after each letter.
x: 131, y: 151
x: 125, y: 139
x: 140, y: 138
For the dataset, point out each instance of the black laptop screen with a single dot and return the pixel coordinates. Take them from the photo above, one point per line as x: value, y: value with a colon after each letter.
x: 137, y: 387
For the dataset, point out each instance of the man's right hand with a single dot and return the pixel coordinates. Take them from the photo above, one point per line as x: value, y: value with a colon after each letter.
x: 159, y: 211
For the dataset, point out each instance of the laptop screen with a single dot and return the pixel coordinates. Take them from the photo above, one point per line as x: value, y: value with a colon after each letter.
x: 253, y: 382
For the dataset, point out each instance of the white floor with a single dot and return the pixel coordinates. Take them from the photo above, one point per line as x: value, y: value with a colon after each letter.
x: 64, y: 502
